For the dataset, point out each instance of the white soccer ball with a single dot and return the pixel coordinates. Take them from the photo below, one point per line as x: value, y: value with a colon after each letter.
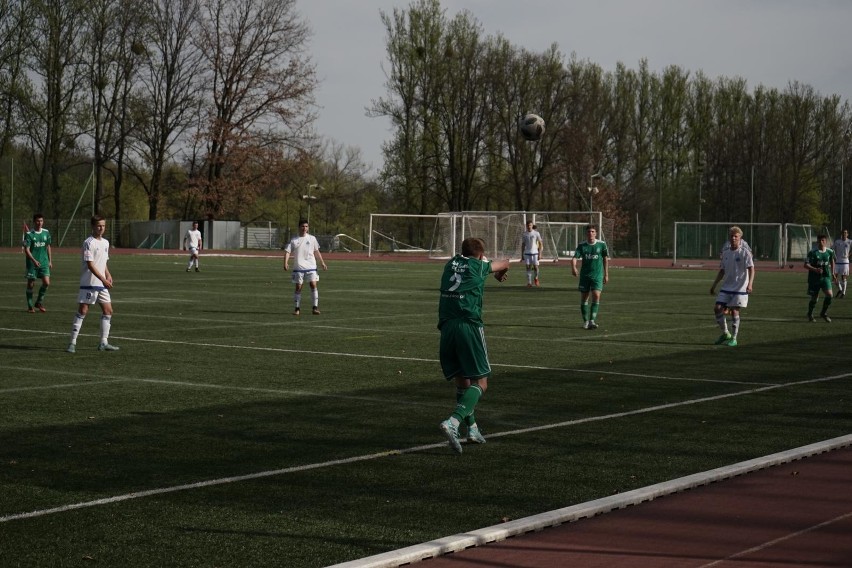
x: 531, y: 127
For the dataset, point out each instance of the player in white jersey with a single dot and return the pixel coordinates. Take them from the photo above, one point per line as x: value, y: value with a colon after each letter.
x: 95, y: 284
x: 192, y: 243
x: 305, y: 250
x: 737, y: 269
x: 841, y: 249
x: 531, y: 248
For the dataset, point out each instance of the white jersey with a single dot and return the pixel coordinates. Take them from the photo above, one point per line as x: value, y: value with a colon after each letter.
x: 192, y: 238
x: 96, y: 251
x: 841, y: 250
x: 302, y: 251
x: 736, y: 263
x: 531, y: 240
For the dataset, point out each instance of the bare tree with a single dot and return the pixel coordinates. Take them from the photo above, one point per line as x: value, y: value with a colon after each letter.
x: 14, y: 21
x: 112, y: 30
x: 261, y: 89
x: 56, y: 45
x: 168, y: 101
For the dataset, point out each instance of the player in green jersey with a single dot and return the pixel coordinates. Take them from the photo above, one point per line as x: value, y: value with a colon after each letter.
x: 463, y: 354
x: 594, y: 273
x: 39, y: 262
x: 820, y: 265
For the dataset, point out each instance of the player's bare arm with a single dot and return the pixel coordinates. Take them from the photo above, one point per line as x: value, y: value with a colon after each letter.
x: 322, y: 262
x: 500, y: 268
x: 719, y: 276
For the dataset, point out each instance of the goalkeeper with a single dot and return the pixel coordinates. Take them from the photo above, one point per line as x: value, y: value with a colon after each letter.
x: 463, y: 354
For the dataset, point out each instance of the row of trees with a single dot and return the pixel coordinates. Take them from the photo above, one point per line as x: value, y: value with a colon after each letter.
x: 204, y: 108
x: 661, y: 147
x: 203, y: 104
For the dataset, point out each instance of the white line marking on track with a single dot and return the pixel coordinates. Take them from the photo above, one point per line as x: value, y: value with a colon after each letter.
x: 369, y: 457
x: 773, y: 542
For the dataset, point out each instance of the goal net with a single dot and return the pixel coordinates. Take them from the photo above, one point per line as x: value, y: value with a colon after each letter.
x: 393, y: 232
x: 502, y: 232
x: 799, y: 240
x: 705, y: 241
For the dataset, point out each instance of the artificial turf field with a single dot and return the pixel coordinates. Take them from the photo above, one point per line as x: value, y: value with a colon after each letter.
x: 227, y: 432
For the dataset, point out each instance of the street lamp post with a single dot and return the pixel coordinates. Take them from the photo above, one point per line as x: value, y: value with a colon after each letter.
x: 592, y: 191
x: 310, y: 198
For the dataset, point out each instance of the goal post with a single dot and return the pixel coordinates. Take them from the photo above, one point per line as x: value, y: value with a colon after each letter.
x: 705, y: 240
x: 800, y: 239
x: 502, y: 231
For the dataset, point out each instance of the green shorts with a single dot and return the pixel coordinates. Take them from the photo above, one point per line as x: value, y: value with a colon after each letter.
x: 814, y: 286
x: 40, y: 272
x: 588, y: 284
x: 463, y: 351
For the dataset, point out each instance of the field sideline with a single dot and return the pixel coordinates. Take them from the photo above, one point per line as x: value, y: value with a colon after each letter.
x: 228, y: 432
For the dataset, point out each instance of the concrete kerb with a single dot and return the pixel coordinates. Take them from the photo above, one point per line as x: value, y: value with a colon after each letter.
x: 496, y: 533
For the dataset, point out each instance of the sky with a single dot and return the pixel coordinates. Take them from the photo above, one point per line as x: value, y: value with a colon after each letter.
x: 766, y: 42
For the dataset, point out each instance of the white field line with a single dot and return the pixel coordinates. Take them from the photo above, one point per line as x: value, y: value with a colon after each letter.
x: 374, y: 456
x: 262, y: 390
x: 397, y: 358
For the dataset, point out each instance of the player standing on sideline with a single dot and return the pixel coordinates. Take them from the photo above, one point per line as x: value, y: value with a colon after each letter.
x: 192, y: 243
x: 737, y: 268
x: 95, y: 284
x: 39, y: 262
x: 463, y: 354
x: 304, y: 247
x: 820, y: 265
x: 531, y: 248
x: 841, y: 250
x: 594, y: 273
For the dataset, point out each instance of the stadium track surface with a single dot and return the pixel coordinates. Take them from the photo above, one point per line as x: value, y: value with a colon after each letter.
x: 791, y: 509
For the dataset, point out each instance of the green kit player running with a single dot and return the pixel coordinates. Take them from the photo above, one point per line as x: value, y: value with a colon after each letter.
x: 39, y: 262
x: 463, y: 354
x: 820, y: 265
x: 594, y: 273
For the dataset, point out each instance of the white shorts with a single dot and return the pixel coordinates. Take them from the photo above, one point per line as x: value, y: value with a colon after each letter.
x: 531, y: 258
x: 841, y: 269
x: 300, y: 276
x: 193, y: 251
x: 93, y: 297
x: 732, y: 299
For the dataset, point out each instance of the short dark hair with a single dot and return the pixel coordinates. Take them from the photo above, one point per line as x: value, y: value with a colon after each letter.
x: 822, y: 237
x: 473, y: 246
x: 37, y: 216
x: 303, y: 222
x: 96, y: 219
x: 595, y: 227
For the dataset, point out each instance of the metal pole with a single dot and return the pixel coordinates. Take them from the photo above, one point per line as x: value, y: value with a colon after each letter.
x: 12, y: 207
x: 840, y: 228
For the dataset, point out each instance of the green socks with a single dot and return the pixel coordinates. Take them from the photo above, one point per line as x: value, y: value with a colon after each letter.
x: 467, y: 402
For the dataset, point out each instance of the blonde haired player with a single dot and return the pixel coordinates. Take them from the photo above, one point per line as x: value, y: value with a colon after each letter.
x: 95, y: 284
x: 737, y: 269
x: 531, y: 248
x: 841, y: 249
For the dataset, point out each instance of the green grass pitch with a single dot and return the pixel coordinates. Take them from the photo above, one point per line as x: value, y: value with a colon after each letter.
x: 227, y: 432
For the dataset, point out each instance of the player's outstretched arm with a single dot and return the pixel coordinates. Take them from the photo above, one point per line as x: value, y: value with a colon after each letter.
x: 500, y: 268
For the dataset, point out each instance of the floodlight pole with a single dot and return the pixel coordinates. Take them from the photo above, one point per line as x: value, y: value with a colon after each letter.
x: 592, y: 191
x: 310, y: 198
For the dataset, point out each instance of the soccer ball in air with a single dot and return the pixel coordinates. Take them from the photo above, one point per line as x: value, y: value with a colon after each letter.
x: 531, y: 127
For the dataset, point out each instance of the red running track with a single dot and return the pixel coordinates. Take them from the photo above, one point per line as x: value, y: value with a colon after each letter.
x: 794, y: 515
